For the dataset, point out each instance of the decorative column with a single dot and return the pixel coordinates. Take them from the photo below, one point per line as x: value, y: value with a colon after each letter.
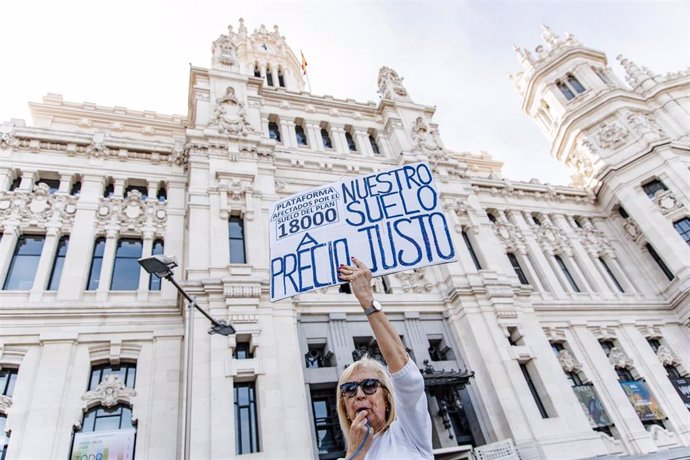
x: 264, y: 125
x: 338, y: 139
x: 65, y: 182
x: 287, y: 136
x: 45, y: 263
x: 384, y: 145
x: 119, y: 187
x: 28, y: 179
x: 152, y: 189
x: 543, y: 262
x: 363, y: 144
x: 313, y: 137
x: 146, y: 249
x: 7, y: 244
x: 107, y: 265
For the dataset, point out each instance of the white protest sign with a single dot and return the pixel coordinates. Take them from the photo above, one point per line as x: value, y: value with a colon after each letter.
x: 391, y: 220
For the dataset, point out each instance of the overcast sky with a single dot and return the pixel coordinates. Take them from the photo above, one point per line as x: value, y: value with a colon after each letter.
x: 455, y: 55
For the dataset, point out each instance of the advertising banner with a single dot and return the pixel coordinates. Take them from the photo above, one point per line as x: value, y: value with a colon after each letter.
x: 592, y: 406
x: 391, y: 220
x: 683, y: 389
x: 104, y: 445
x: 641, y: 398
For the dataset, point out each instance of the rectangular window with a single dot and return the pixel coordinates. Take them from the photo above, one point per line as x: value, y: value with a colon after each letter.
x: 53, y: 184
x: 126, y: 269
x: 273, y: 131
x: 242, y: 351
x: 518, y: 269
x: 659, y: 261
x: 96, y: 264
x: 611, y: 275
x: 154, y: 281
x: 300, y: 135
x: 22, y: 271
x: 58, y: 262
x: 533, y: 390
x: 326, y: 139
x: 566, y: 273
x: 236, y: 236
x: 139, y: 188
x: 246, y: 424
x: 329, y: 438
x: 683, y: 228
x: 653, y: 186
x: 8, y: 377
x: 126, y: 373
x: 468, y: 243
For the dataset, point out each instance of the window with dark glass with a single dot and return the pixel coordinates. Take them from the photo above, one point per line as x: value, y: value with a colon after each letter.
x: 139, y: 188
x: 96, y: 264
x: 659, y: 261
x: 242, y: 350
x: 577, y: 222
x: 269, y: 76
x: 4, y: 439
x: 655, y: 344
x: 126, y: 269
x: 58, y: 262
x: 109, y: 190
x: 236, y: 237
x: 575, y: 84
x: 155, y: 282
x: 350, y: 142
x: 273, y: 131
x: 125, y: 372
x: 257, y: 71
x: 76, y: 188
x: 565, y: 90
x: 300, y: 135
x: 611, y: 275
x: 318, y: 356
x: 162, y: 193
x: 22, y: 271
x: 329, y: 438
x: 438, y: 351
x: 624, y: 374
x: 470, y: 249
x: 344, y: 289
x: 607, y: 346
x: 653, y: 186
x: 326, y: 139
x: 533, y: 390
x: 518, y: 269
x: 374, y: 145
x: 53, y: 184
x: 536, y: 220
x: 566, y: 273
x: 623, y: 213
x: 281, y: 78
x: 8, y: 378
x: 246, y: 423
x: 14, y: 185
x: 683, y: 228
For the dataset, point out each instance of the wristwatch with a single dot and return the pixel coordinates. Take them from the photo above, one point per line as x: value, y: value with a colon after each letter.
x: 375, y: 306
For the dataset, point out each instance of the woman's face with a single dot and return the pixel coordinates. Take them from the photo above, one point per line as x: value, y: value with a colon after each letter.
x: 374, y: 404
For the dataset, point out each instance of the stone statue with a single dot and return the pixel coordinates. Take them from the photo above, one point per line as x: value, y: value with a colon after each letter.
x: 223, y: 50
x: 425, y: 140
x: 230, y: 116
x: 390, y: 85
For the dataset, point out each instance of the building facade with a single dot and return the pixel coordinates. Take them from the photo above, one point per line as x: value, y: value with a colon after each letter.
x: 563, y: 326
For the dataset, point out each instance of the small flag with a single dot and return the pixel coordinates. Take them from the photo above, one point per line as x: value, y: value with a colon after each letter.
x: 304, y: 63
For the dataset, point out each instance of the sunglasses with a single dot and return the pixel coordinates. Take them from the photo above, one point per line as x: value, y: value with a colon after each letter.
x: 368, y: 386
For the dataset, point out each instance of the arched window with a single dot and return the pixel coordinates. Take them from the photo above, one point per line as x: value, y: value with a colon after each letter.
x: 326, y: 139
x: 300, y: 135
x: 257, y: 71
x: 58, y: 262
x: 374, y: 145
x: 281, y: 78
x: 96, y: 264
x: 575, y: 84
x: 154, y: 281
x: 269, y: 76
x: 565, y: 90
x: 22, y: 271
x: 126, y: 269
x: 350, y: 142
x: 273, y: 131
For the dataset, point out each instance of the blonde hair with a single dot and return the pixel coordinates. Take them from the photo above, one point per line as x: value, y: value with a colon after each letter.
x: 386, y: 386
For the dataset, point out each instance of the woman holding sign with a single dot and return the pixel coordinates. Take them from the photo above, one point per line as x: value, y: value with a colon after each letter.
x: 382, y: 412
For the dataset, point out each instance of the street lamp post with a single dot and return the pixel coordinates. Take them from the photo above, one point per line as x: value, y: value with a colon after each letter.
x: 161, y: 266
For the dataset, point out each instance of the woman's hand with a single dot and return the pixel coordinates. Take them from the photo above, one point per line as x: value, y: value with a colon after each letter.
x: 358, y: 431
x: 359, y: 277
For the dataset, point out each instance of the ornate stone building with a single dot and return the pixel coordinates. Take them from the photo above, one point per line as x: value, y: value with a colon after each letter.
x: 562, y: 327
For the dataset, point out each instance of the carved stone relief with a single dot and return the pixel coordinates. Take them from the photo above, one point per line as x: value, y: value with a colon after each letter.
x: 611, y: 135
x: 131, y: 213
x: 109, y: 393
x: 568, y: 361
x: 644, y: 123
x: 38, y: 208
x: 510, y: 235
x: 618, y: 358
x: 666, y: 356
x: 230, y: 117
x: 667, y: 202
x: 414, y: 280
x: 552, y: 239
x: 426, y: 140
x: 390, y: 85
x: 223, y: 50
x: 5, y: 403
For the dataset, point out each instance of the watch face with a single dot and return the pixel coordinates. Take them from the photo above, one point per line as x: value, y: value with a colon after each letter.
x: 376, y: 305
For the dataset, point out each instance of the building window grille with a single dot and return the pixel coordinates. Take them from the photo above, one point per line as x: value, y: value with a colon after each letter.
x: 300, y: 135
x: 246, y: 423
x: 350, y: 142
x: 281, y: 78
x: 58, y: 263
x: 326, y: 139
x: 611, y: 275
x: 329, y: 438
x: 659, y: 261
x: 470, y: 249
x: 139, y: 188
x: 53, y: 184
x: 75, y: 190
x: 575, y: 84
x: 683, y: 228
x: 236, y: 240
x: 533, y: 390
x: 22, y: 271
x: 374, y: 145
x: 155, y: 282
x: 269, y: 76
x: 242, y: 350
x: 8, y: 378
x: 567, y: 274
x: 96, y: 265
x: 569, y: 95
x: 518, y: 269
x: 273, y: 131
x: 653, y: 186
x: 126, y: 269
